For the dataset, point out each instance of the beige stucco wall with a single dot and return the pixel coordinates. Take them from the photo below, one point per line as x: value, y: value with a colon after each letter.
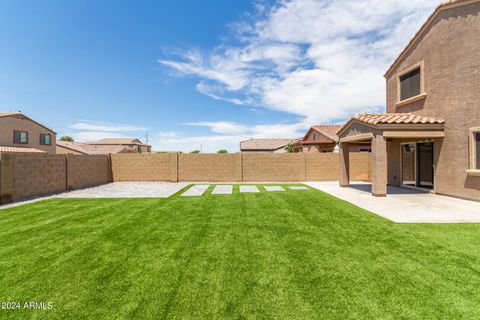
x: 449, y: 50
x: 11, y: 123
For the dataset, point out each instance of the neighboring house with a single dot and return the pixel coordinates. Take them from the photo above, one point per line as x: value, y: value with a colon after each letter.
x: 323, y: 138
x: 21, y: 134
x: 265, y: 145
x: 133, y: 143
x: 430, y: 136
x: 67, y: 147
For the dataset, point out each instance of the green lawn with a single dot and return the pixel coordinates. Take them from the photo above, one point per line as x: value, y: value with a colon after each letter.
x: 290, y: 255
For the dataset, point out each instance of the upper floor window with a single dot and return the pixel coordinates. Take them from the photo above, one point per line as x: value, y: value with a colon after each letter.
x: 20, y: 136
x: 475, y: 149
x: 410, y: 85
x: 45, y: 139
x: 315, y: 136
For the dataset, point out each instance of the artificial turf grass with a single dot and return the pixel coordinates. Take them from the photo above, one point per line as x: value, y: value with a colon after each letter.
x: 295, y: 254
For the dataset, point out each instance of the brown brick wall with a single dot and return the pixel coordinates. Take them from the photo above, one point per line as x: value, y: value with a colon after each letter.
x: 321, y: 166
x: 87, y: 170
x: 360, y: 166
x: 273, y: 167
x: 144, y: 167
x: 210, y: 167
x: 248, y: 167
x: 25, y: 175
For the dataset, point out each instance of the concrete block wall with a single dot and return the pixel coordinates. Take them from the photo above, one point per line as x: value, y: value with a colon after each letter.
x: 360, y: 166
x: 238, y: 167
x: 28, y: 175
x: 145, y: 167
x: 210, y: 167
x: 282, y: 167
x: 87, y: 170
x: 321, y: 166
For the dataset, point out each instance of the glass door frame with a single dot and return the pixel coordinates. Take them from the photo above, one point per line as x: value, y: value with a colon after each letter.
x: 416, y: 165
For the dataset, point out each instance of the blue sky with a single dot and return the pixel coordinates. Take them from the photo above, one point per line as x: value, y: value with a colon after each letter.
x: 194, y: 73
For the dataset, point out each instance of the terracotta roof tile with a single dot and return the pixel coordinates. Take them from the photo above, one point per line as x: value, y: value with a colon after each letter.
x: 264, y: 144
x: 7, y: 149
x: 329, y: 131
x: 394, y: 118
x: 391, y: 118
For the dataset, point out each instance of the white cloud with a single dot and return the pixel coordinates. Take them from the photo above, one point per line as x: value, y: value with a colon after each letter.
x: 322, y: 60
x: 208, y: 144
x: 227, y: 136
x: 222, y: 127
x: 95, y: 126
x: 168, y: 134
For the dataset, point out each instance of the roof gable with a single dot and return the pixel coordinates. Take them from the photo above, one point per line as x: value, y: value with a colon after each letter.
x: 445, y: 5
x: 24, y: 117
x: 328, y: 131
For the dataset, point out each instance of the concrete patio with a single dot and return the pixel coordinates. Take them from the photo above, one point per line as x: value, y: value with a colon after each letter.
x: 405, y: 205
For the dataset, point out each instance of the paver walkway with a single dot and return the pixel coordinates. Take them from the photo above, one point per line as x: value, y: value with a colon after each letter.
x: 127, y: 190
x: 196, y: 191
x: 274, y: 188
x: 249, y: 189
x: 298, y: 188
x: 222, y: 190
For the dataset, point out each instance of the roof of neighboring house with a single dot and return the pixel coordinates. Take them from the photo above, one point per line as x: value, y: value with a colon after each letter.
x: 329, y: 131
x: 86, y: 148
x: 445, y: 5
x: 7, y: 149
x: 18, y: 113
x: 264, y: 144
x: 119, y: 141
x: 391, y: 118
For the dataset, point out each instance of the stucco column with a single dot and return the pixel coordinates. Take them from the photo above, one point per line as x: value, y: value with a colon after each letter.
x: 379, y: 166
x: 344, y: 164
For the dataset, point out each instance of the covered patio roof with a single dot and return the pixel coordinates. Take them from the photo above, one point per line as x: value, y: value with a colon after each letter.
x: 378, y: 128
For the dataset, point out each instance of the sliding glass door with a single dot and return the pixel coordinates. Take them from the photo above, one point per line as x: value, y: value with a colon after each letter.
x: 418, y: 165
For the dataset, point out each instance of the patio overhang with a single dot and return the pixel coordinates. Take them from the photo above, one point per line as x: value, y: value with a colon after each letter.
x: 378, y: 129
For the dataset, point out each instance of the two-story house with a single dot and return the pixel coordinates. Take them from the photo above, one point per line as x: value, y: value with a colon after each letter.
x: 20, y: 134
x: 430, y: 136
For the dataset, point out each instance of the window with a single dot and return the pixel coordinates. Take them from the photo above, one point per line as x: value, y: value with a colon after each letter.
x: 45, y: 139
x: 20, y: 137
x: 315, y: 136
x: 476, y: 146
x: 410, y: 85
